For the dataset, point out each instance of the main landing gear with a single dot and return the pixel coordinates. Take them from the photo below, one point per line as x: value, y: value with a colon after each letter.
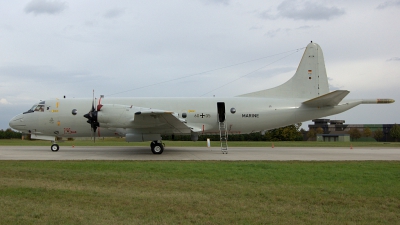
x: 157, y: 147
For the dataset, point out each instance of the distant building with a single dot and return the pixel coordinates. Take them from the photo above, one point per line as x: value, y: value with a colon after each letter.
x: 336, y: 130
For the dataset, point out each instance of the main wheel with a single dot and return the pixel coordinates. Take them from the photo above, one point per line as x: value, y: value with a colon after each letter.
x: 55, y: 147
x: 157, y: 148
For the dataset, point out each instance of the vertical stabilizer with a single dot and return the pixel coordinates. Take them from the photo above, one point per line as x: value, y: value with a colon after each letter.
x: 309, y: 81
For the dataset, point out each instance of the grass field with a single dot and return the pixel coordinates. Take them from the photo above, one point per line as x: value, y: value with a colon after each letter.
x: 132, y: 192
x: 211, y: 192
x: 121, y: 142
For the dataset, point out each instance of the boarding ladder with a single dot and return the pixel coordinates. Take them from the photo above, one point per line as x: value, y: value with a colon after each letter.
x: 223, y: 137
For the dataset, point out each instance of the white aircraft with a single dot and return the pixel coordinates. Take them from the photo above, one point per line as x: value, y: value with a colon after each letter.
x: 304, y: 97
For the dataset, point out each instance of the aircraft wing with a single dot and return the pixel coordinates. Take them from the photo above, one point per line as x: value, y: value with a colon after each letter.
x: 330, y: 99
x: 139, y: 118
x: 159, y: 119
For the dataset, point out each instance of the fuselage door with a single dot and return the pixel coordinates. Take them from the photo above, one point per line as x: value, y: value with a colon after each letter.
x: 221, y: 111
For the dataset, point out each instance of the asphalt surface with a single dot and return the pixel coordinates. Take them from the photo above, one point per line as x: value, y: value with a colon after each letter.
x: 197, y: 153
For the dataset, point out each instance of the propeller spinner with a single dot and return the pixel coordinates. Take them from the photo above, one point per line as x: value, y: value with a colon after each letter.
x: 92, y: 116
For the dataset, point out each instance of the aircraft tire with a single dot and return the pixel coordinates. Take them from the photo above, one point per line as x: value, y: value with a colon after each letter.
x: 157, y: 148
x: 55, y: 147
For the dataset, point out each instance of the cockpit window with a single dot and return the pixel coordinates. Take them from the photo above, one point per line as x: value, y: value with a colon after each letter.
x: 33, y: 108
x: 37, y: 108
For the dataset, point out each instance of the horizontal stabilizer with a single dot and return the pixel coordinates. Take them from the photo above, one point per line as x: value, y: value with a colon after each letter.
x: 331, y: 99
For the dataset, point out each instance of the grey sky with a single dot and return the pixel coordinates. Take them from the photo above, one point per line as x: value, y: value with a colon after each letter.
x: 389, y: 4
x: 42, y: 7
x: 304, y: 10
x: 53, y: 48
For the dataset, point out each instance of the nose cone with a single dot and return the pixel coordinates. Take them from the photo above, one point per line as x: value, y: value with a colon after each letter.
x: 17, y: 122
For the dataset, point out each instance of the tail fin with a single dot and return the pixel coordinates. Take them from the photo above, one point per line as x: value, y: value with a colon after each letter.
x: 309, y: 81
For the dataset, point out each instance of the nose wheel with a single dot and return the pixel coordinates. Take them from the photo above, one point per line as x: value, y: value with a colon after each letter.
x: 55, y: 147
x: 157, y: 147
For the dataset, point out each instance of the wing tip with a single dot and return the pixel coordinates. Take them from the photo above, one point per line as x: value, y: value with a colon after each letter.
x: 378, y: 101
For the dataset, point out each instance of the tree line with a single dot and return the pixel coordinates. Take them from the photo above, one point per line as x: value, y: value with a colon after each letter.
x: 9, y: 134
x: 356, y: 134
x: 378, y: 134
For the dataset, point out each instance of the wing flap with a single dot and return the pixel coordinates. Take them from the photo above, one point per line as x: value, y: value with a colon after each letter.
x: 330, y: 99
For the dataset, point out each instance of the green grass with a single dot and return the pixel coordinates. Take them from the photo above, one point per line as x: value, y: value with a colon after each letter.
x: 121, y: 142
x: 175, y: 192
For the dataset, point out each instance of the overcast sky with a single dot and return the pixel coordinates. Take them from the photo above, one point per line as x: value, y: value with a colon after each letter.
x: 195, y: 48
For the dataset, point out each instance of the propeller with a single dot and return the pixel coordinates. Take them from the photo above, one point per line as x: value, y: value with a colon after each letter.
x: 92, y: 117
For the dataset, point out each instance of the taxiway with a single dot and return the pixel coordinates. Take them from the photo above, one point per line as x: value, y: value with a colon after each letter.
x: 197, y: 153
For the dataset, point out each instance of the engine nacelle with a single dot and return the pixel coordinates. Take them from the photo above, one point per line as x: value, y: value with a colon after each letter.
x: 116, y: 116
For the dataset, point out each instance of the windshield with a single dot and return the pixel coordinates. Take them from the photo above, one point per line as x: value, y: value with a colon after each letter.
x: 36, y: 108
x: 39, y: 108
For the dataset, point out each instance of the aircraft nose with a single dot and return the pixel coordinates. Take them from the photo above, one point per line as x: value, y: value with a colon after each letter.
x: 17, y: 122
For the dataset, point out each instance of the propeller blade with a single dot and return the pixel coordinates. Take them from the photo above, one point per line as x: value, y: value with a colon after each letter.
x: 92, y: 118
x: 93, y: 103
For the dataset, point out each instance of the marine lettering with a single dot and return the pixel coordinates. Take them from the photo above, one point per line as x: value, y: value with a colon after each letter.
x: 250, y: 115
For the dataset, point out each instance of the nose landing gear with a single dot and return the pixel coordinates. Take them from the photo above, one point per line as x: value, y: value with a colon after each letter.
x: 157, y: 147
x: 55, y: 147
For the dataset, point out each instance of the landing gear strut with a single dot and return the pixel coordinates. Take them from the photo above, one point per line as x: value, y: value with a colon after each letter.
x: 55, y: 147
x: 157, y: 147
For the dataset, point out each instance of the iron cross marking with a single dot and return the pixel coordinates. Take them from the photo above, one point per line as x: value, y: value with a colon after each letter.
x: 202, y: 115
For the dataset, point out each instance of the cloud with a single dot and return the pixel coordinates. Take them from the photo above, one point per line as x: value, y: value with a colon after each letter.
x: 113, y: 13
x: 223, y: 2
x: 4, y: 101
x: 388, y: 4
x: 268, y: 15
x: 303, y: 10
x: 48, y: 73
x: 393, y: 59
x: 273, y: 33
x: 256, y: 27
x: 43, y: 6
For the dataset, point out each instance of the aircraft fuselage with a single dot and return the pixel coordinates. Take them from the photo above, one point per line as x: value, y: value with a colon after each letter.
x: 64, y: 117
